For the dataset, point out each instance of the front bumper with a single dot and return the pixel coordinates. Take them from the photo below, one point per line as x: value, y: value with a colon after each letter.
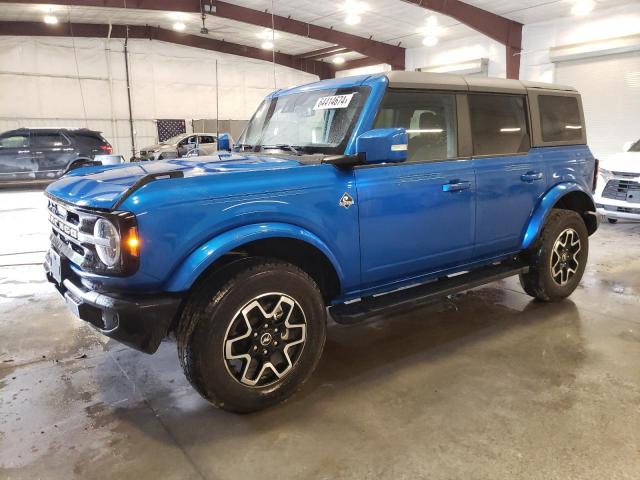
x: 139, y: 321
x: 609, y: 208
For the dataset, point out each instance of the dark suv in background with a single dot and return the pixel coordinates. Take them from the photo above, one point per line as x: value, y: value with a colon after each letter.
x: 44, y: 154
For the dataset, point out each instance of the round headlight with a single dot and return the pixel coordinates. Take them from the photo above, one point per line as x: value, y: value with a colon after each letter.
x: 109, y: 253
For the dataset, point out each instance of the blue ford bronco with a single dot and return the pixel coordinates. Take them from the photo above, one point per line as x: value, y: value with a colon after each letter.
x: 355, y: 196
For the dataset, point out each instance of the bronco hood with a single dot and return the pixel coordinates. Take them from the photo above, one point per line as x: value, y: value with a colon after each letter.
x: 103, y: 187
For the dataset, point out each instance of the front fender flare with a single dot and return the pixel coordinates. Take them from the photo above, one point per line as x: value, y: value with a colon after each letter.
x: 198, y: 261
x: 548, y: 201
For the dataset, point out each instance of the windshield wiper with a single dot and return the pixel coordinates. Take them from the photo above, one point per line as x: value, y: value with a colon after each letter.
x: 283, y: 146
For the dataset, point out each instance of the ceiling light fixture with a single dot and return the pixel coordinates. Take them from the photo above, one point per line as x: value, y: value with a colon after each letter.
x: 267, y: 34
x: 431, y: 30
x: 430, y: 41
x: 338, y: 60
x: 352, y: 19
x: 179, y: 26
x: 354, y: 10
x: 267, y: 45
x: 432, y: 22
x: 583, y: 7
x: 50, y: 19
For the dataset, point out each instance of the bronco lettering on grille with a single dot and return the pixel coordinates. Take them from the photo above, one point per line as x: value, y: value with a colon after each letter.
x: 63, y: 227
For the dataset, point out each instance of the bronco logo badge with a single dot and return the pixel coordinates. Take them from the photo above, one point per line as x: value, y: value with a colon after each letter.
x: 346, y: 201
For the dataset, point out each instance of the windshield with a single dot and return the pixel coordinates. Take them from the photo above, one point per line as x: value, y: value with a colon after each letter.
x: 311, y: 122
x: 172, y: 140
x: 635, y: 147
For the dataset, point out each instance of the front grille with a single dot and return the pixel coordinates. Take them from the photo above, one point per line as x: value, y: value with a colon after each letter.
x: 72, y: 233
x: 618, y: 189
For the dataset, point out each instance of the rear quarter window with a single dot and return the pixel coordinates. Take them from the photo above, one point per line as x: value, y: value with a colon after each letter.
x: 560, y: 119
x: 91, y: 138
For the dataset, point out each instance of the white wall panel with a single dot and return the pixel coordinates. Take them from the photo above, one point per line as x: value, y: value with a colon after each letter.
x: 610, y: 93
x: 39, y: 85
x: 612, y: 103
x: 539, y: 38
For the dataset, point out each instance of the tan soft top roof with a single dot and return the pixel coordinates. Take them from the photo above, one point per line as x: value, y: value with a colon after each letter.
x: 443, y: 81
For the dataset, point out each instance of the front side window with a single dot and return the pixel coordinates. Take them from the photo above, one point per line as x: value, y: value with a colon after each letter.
x: 499, y: 124
x: 49, y: 140
x: 635, y: 147
x: 430, y: 120
x: 319, y: 121
x: 14, y: 141
x: 560, y: 119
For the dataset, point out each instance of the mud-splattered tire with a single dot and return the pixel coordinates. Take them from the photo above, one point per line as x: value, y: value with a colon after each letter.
x: 558, y: 258
x: 252, y: 334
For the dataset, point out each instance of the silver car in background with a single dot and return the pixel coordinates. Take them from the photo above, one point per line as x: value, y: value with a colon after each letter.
x: 185, y: 144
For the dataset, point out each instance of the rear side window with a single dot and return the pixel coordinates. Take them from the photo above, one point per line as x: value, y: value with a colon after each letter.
x: 14, y: 141
x: 92, y: 138
x: 43, y: 139
x: 499, y: 124
x: 206, y: 139
x: 560, y: 119
x: 430, y: 121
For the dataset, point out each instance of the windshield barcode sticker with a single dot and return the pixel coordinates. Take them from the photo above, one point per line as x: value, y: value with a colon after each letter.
x: 334, y: 101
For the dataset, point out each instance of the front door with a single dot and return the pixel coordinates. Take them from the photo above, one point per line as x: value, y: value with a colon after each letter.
x: 417, y: 217
x: 510, y: 176
x: 186, y: 145
x: 16, y: 160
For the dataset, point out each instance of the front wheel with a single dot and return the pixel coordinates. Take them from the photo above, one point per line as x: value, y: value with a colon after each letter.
x: 251, y: 341
x: 559, y: 257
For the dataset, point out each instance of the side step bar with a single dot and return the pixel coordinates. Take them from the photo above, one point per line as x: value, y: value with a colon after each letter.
x: 355, y: 312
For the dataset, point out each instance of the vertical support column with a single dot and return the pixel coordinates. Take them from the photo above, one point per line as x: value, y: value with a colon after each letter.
x: 513, y: 62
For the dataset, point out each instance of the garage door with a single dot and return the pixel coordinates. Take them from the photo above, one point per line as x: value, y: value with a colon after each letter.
x: 610, y: 88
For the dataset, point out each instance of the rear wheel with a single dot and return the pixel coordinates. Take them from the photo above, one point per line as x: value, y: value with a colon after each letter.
x: 559, y: 257
x: 251, y: 341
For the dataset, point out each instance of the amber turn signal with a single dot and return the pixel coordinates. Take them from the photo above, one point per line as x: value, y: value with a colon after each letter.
x: 133, y: 241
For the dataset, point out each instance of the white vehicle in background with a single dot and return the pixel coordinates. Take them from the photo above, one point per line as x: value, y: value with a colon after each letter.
x: 618, y: 191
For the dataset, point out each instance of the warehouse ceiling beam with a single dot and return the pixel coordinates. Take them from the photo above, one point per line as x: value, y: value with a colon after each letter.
x: 323, y: 52
x: 322, y: 69
x: 496, y: 27
x: 383, y: 52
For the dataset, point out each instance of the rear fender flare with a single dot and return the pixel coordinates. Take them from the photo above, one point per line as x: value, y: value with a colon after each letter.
x: 204, y: 256
x: 544, y: 207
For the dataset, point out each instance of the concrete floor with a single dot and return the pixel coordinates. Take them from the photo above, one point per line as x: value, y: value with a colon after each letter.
x: 486, y: 385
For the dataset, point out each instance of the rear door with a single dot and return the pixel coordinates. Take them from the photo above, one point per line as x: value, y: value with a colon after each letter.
x: 510, y: 175
x: 16, y: 159
x: 417, y: 217
x: 53, y: 152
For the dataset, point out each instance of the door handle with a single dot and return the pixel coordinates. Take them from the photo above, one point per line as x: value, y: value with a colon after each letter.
x: 455, y: 186
x: 530, y: 177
